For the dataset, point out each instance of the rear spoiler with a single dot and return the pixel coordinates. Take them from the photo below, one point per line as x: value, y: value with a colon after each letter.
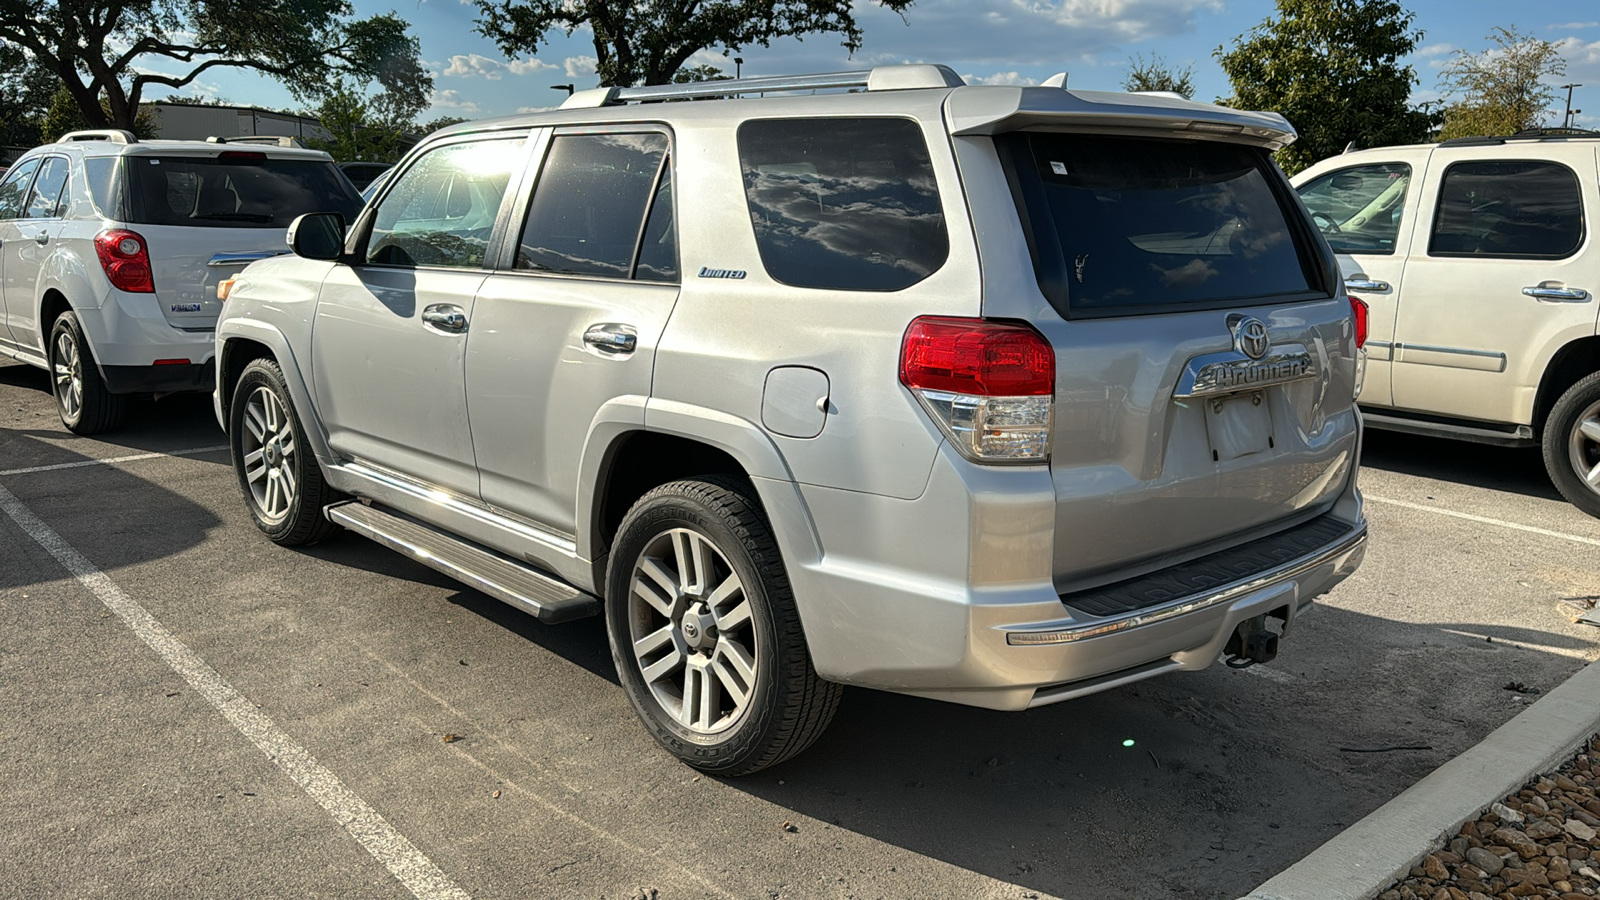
x: 995, y: 110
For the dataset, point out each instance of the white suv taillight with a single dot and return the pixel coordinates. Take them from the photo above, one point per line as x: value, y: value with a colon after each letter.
x: 989, y: 386
x: 1359, y: 315
x: 125, y: 260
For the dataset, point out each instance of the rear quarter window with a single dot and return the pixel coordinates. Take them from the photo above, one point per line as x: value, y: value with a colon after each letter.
x: 1122, y: 226
x: 843, y: 203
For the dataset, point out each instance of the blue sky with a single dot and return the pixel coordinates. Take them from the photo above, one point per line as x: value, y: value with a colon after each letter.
x: 993, y: 41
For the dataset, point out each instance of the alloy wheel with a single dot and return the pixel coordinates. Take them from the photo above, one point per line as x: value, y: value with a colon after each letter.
x: 68, y: 370
x: 1583, y: 447
x: 269, y: 453
x: 691, y: 632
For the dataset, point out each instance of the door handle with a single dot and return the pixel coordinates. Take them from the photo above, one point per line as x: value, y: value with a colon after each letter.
x: 612, y: 338
x: 42, y: 238
x: 1555, y: 290
x: 445, y: 317
x: 1365, y: 284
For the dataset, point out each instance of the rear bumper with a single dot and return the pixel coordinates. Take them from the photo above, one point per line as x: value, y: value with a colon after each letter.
x: 967, y: 611
x: 128, y: 331
x: 159, y: 379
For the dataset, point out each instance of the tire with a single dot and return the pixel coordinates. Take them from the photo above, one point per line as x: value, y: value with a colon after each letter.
x: 733, y: 625
x: 85, y: 405
x: 279, y: 477
x: 1572, y: 445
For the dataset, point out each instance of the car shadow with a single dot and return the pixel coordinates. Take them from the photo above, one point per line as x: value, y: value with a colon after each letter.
x: 182, y: 421
x: 1517, y: 470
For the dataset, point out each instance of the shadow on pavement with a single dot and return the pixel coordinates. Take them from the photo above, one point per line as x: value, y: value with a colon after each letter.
x: 1519, y: 471
x: 174, y: 422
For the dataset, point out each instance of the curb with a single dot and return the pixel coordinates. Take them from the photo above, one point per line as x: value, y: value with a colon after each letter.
x: 1379, y: 850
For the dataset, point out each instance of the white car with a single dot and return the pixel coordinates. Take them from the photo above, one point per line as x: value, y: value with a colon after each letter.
x: 111, y: 249
x: 1476, y: 260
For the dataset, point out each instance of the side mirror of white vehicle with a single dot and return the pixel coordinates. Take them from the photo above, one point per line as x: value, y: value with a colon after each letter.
x: 317, y: 236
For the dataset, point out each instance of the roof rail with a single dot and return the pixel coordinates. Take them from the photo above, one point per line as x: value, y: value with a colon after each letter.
x: 1528, y: 134
x: 880, y: 78
x: 114, y: 135
x: 269, y: 140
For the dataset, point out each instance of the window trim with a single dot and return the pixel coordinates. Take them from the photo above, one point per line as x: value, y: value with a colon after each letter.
x: 1438, y: 208
x: 1410, y: 173
x: 361, y: 233
x: 933, y: 170
x: 1050, y: 263
x: 506, y: 260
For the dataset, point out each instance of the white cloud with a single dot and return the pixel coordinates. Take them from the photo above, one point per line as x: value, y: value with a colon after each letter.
x: 580, y: 66
x: 524, y: 66
x: 1575, y: 25
x: 475, y: 65
x: 452, y: 99
x: 1579, y: 53
x: 1006, y: 78
x: 1432, y: 50
x: 534, y: 109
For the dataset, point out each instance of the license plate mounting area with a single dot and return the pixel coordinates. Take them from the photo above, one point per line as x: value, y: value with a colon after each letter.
x: 1238, y: 424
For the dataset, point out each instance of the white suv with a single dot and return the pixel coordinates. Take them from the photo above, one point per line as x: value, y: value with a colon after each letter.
x: 1476, y: 261
x: 111, y: 249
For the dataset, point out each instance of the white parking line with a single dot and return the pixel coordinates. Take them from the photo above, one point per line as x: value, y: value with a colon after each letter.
x: 1593, y: 542
x: 414, y: 870
x: 192, y: 451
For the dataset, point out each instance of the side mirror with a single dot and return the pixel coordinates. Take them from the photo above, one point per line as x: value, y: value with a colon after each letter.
x: 317, y: 236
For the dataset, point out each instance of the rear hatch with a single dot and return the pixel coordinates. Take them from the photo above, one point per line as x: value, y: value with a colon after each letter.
x: 1205, y: 357
x: 206, y: 215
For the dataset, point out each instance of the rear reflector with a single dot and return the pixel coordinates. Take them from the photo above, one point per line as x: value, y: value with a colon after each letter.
x: 170, y: 362
x: 990, y: 387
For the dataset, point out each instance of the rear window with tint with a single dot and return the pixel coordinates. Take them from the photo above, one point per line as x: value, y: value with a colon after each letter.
x: 844, y: 203
x: 244, y: 191
x: 1132, y: 225
x: 1516, y: 209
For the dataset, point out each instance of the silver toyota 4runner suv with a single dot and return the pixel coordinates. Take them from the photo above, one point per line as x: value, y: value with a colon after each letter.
x: 994, y: 395
x: 111, y: 249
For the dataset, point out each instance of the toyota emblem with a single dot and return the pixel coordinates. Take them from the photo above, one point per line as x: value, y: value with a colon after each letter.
x: 1251, y: 337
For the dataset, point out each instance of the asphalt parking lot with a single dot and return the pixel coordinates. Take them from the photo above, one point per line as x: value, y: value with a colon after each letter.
x: 121, y: 777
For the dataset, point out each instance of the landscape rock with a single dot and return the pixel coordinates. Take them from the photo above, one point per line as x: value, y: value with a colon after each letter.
x: 1483, y: 859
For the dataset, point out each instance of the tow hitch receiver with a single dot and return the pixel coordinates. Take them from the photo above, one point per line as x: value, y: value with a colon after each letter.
x: 1252, y: 642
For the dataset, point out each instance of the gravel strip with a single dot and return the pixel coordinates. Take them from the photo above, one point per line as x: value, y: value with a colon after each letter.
x: 1542, y: 841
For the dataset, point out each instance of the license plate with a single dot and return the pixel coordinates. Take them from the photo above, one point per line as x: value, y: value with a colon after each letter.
x: 1239, y: 424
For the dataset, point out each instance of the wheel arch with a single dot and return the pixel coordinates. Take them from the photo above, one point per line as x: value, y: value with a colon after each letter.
x: 241, y: 341
x: 1570, y: 364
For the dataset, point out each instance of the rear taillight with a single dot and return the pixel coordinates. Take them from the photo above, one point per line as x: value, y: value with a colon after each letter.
x: 989, y: 386
x: 125, y: 260
x: 1358, y: 309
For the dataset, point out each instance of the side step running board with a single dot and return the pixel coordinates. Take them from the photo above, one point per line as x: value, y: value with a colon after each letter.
x: 515, y: 583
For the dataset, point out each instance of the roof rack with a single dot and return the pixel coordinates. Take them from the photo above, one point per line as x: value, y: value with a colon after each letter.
x: 1527, y: 134
x: 114, y: 135
x: 880, y: 78
x: 267, y: 139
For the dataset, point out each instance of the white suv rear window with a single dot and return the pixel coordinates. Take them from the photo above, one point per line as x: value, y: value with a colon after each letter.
x: 234, y: 189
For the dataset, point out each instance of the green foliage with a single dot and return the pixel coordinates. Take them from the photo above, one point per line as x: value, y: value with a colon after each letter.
x: 310, y: 45
x: 25, y: 88
x: 1500, y: 91
x: 64, y: 115
x: 361, y: 129
x: 647, y: 42
x: 1332, y: 68
x: 1156, y: 74
x: 439, y: 124
x: 699, y: 73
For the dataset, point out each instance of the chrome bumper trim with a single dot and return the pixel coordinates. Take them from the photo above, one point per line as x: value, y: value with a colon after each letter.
x: 1193, y: 603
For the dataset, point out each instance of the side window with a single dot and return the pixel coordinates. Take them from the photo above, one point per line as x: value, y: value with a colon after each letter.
x: 1359, y: 209
x: 658, y: 252
x: 443, y: 207
x: 14, y: 188
x: 101, y: 173
x: 846, y: 204
x: 586, y: 211
x: 44, y: 201
x: 1518, y: 209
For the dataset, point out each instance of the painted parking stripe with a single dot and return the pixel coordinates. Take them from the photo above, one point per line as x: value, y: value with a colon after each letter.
x: 1517, y: 526
x: 192, y: 451
x: 408, y: 864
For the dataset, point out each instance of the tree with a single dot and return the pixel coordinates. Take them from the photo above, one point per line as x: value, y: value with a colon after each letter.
x: 647, y: 41
x: 105, y: 52
x: 63, y: 115
x: 1332, y: 68
x: 1157, y: 75
x: 368, y: 128
x: 699, y: 73
x: 439, y: 124
x: 25, y: 88
x: 1501, y: 89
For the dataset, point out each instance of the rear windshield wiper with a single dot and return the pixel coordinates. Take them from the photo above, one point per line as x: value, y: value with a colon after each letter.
x: 237, y: 217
